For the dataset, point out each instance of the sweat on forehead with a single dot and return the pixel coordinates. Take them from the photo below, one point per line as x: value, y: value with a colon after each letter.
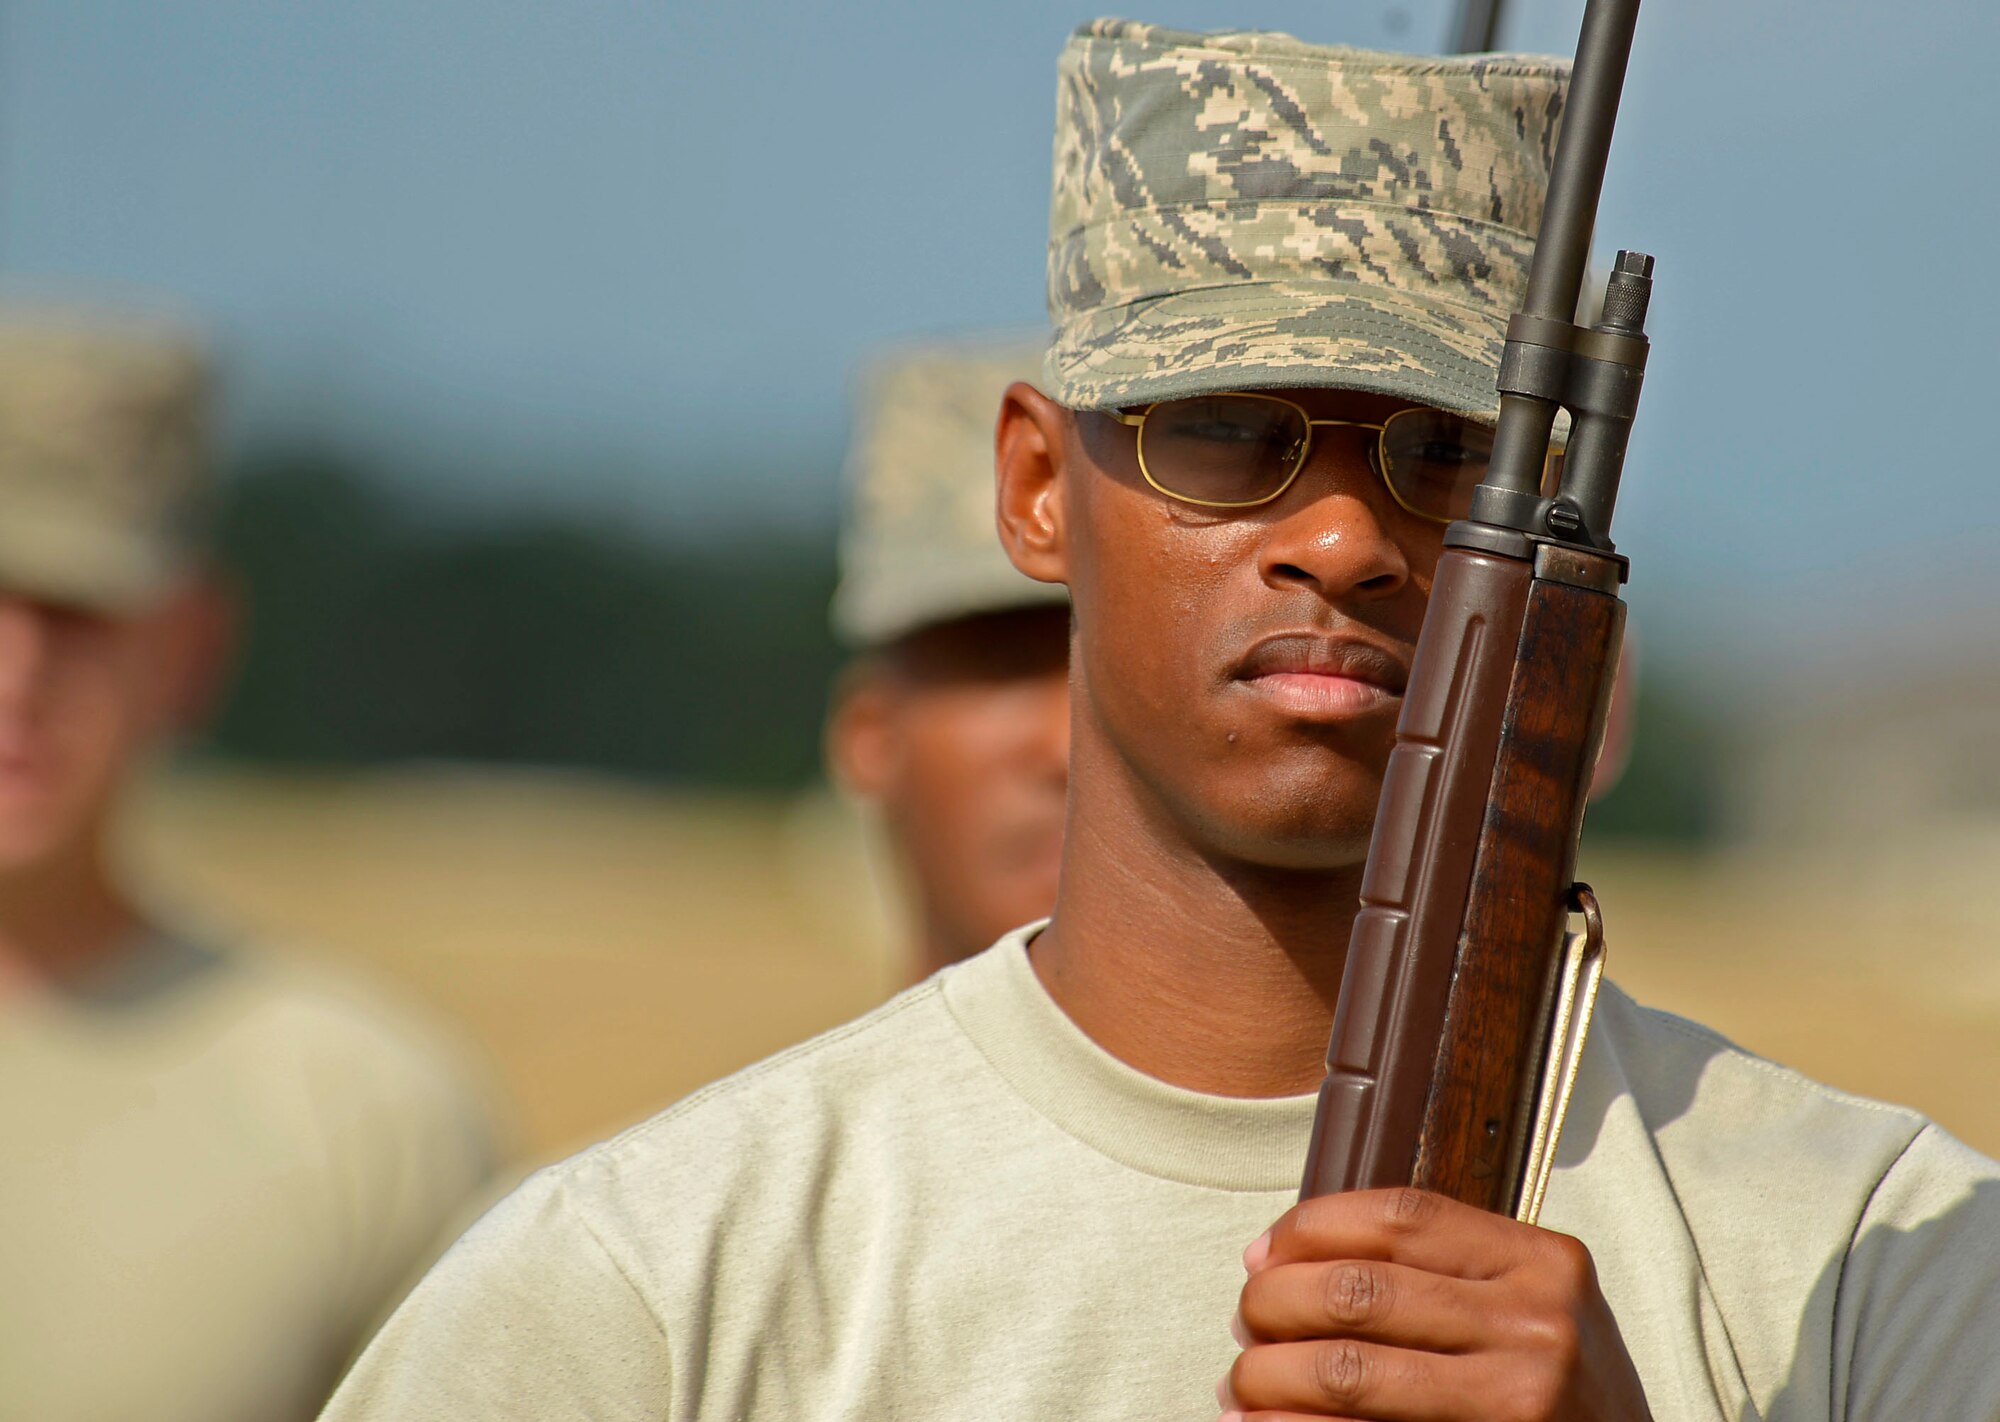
x: 1247, y: 211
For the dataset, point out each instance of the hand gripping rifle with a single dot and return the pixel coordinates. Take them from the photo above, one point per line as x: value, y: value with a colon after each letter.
x: 1463, y: 1006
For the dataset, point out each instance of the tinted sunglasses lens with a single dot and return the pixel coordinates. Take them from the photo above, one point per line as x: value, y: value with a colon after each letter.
x: 1433, y: 461
x: 1222, y: 449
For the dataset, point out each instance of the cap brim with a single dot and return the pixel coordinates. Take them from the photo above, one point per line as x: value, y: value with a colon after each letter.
x: 79, y: 566
x: 872, y: 610
x: 1281, y: 335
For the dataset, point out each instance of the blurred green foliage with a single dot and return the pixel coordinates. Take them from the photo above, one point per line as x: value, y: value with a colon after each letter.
x: 375, y: 635
x: 1674, y: 786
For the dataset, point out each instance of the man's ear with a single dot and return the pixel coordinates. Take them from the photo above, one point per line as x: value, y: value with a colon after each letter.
x: 1616, y: 751
x: 198, y: 628
x: 1029, y: 448
x: 860, y: 741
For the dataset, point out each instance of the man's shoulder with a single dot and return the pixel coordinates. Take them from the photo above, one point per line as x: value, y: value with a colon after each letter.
x: 1789, y: 1230
x: 845, y: 1067
x: 341, y: 1031
x: 857, y: 1087
x: 1756, y: 1158
x: 1689, y: 1082
x: 329, y: 1064
x: 789, y: 1157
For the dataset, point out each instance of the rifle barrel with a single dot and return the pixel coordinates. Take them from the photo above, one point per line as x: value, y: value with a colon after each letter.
x: 1436, y: 1071
x: 1477, y: 28
x: 1562, y: 247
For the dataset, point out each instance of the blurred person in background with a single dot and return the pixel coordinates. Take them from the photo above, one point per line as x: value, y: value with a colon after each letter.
x: 952, y: 720
x: 218, y: 1170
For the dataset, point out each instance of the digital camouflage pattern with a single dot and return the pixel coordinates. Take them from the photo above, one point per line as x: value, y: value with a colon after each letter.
x: 919, y: 546
x: 102, y: 455
x: 1245, y: 210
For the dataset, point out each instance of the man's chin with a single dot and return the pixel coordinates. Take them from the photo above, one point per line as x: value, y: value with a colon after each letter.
x: 1331, y: 858
x: 27, y: 839
x: 1312, y: 839
x: 1309, y: 811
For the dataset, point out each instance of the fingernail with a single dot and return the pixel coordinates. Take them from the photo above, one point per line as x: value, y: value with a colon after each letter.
x: 1239, y: 1331
x: 1222, y: 1393
x: 1258, y: 1252
x: 1230, y: 1417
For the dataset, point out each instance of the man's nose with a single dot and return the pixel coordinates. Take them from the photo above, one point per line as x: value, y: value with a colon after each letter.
x: 24, y: 644
x: 1332, y: 531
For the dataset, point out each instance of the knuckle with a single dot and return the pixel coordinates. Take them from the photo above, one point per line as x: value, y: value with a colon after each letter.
x: 1569, y: 1262
x: 1407, y: 1209
x: 1547, y: 1357
x: 1317, y: 1218
x: 1261, y: 1302
x: 1341, y: 1373
x: 1237, y: 1378
x: 1553, y: 1338
x: 1356, y: 1294
x: 1530, y: 1395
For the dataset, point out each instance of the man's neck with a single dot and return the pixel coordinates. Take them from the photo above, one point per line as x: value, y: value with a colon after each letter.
x: 1211, y: 975
x: 60, y: 918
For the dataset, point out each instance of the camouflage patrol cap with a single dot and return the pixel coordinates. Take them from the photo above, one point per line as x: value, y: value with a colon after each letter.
x: 101, y: 455
x: 919, y: 546
x: 1245, y: 210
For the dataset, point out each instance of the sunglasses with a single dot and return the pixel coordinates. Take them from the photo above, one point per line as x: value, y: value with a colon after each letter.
x: 1241, y: 450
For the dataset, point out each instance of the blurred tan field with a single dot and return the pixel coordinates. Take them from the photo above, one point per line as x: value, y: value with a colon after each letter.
x: 609, y: 949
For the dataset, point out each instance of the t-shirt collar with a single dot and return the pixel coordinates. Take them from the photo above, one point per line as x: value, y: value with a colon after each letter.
x: 1221, y: 1142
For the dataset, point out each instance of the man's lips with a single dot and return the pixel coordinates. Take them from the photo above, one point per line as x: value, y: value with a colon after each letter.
x: 1324, y: 678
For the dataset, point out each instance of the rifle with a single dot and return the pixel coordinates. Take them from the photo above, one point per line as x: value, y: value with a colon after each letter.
x: 1464, y: 1003
x: 1476, y: 27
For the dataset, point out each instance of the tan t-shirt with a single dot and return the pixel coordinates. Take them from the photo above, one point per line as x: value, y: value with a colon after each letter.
x: 960, y: 1207
x: 215, y: 1174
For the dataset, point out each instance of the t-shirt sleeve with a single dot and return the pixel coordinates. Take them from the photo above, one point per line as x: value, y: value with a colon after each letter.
x: 528, y: 1316
x: 1917, y: 1317
x: 409, y: 1147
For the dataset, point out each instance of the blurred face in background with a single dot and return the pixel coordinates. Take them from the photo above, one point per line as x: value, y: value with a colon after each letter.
x: 959, y: 734
x: 83, y: 694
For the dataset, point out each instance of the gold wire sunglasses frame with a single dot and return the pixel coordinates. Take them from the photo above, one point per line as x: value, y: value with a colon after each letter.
x: 1302, y: 451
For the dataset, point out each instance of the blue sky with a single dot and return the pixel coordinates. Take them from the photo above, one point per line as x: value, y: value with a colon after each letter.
x: 524, y: 252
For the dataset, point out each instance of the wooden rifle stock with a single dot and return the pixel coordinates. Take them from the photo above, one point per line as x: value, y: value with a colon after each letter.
x: 1442, y: 1024
x: 1459, y: 981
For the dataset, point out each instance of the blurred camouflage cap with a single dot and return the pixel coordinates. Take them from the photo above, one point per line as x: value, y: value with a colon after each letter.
x: 101, y: 455
x: 1245, y: 210
x: 919, y: 546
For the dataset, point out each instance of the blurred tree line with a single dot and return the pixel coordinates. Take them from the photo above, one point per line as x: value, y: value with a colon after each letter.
x: 1674, y: 785
x: 377, y: 635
